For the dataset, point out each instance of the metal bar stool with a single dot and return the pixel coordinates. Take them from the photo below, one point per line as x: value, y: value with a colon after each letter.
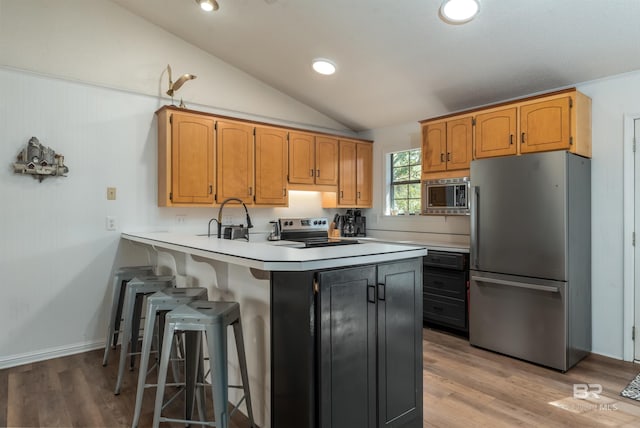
x: 120, y: 279
x: 211, y: 318
x: 158, y: 304
x: 136, y: 289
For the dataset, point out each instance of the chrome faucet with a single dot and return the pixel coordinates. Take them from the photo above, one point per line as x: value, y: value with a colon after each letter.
x: 219, y: 220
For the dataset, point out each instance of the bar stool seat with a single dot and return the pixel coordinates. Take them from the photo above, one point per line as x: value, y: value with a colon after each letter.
x: 212, y: 319
x: 120, y: 279
x: 136, y: 289
x: 158, y: 304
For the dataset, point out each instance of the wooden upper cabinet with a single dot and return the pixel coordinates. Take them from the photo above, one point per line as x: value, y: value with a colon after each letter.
x: 185, y: 159
x: 347, y: 172
x: 447, y: 145
x: 326, y: 160
x: 235, y: 153
x: 545, y: 125
x: 302, y: 157
x: 434, y: 147
x: 313, y: 159
x: 355, y: 175
x: 364, y: 175
x: 459, y: 143
x: 496, y: 133
x: 271, y: 166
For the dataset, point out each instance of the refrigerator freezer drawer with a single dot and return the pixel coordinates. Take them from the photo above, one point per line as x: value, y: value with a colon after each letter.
x: 521, y: 317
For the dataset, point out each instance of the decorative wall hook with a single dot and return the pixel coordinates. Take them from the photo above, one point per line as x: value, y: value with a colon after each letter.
x: 40, y: 161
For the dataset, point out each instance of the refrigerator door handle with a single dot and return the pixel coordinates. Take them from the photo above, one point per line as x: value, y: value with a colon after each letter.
x: 475, y: 194
x: 536, y: 287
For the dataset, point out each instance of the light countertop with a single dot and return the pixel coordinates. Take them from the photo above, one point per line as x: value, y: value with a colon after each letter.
x: 277, y: 255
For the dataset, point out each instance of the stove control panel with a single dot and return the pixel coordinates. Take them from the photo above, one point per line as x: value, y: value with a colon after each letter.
x: 311, y: 224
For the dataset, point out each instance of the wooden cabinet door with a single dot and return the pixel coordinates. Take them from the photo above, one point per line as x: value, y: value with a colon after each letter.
x: 301, y: 158
x: 459, y: 143
x: 235, y: 161
x: 496, y: 133
x: 347, y: 357
x: 271, y: 166
x: 400, y: 343
x: 434, y: 146
x: 192, y: 157
x: 326, y: 160
x: 545, y: 125
x: 347, y: 174
x: 364, y: 175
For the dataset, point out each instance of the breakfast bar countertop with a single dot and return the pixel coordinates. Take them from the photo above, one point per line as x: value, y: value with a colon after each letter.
x: 277, y: 255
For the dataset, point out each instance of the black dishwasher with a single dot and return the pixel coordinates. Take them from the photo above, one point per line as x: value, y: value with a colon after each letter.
x: 445, y: 290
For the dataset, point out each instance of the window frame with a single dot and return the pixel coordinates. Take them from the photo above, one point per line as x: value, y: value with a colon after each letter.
x: 392, y: 183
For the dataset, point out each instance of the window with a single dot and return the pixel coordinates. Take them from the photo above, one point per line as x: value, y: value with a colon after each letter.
x: 406, y: 170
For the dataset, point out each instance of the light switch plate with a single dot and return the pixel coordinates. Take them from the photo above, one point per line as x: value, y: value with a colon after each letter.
x: 111, y: 193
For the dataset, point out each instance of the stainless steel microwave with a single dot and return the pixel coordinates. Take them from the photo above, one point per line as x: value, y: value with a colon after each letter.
x: 446, y: 196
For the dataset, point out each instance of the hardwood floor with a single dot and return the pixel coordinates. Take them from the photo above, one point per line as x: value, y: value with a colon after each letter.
x: 463, y: 386
x: 467, y: 386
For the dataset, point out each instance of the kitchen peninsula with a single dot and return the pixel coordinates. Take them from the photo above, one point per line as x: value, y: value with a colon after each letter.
x: 343, y: 339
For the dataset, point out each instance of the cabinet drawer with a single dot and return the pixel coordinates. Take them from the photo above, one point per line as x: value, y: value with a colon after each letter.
x: 445, y: 260
x: 445, y: 283
x: 443, y: 310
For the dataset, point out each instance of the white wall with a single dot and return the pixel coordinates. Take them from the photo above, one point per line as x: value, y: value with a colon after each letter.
x: 612, y: 99
x: 85, y: 77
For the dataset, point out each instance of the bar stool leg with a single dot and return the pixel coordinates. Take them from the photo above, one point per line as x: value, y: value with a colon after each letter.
x: 114, y: 319
x: 128, y: 310
x: 217, y: 344
x: 193, y: 342
x: 167, y: 343
x: 237, y: 332
x: 135, y: 329
x: 149, y: 325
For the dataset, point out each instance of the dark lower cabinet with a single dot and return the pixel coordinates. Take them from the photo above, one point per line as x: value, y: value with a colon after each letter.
x: 347, y: 347
x: 446, y: 281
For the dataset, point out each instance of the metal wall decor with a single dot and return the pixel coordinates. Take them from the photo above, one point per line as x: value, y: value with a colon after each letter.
x: 40, y: 161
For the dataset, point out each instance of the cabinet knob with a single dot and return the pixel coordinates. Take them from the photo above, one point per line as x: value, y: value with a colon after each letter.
x: 250, y: 191
x: 311, y: 173
x: 448, y: 156
x: 510, y: 139
x: 522, y: 138
x: 441, y: 157
x: 284, y: 191
x: 210, y: 189
x: 317, y: 173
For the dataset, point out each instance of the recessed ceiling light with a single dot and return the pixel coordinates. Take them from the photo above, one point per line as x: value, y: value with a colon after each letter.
x: 324, y: 66
x: 208, y: 5
x: 459, y: 11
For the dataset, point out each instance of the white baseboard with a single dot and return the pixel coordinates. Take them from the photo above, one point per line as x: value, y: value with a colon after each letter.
x: 47, y: 354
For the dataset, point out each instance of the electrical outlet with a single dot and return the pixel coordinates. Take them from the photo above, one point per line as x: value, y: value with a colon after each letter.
x: 111, y: 223
x: 227, y: 219
x: 111, y: 193
x: 181, y: 219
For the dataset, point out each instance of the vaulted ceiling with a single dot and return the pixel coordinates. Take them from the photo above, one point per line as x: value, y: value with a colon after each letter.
x: 397, y: 61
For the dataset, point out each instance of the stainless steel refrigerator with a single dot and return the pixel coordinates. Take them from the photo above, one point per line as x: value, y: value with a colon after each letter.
x: 530, y: 288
